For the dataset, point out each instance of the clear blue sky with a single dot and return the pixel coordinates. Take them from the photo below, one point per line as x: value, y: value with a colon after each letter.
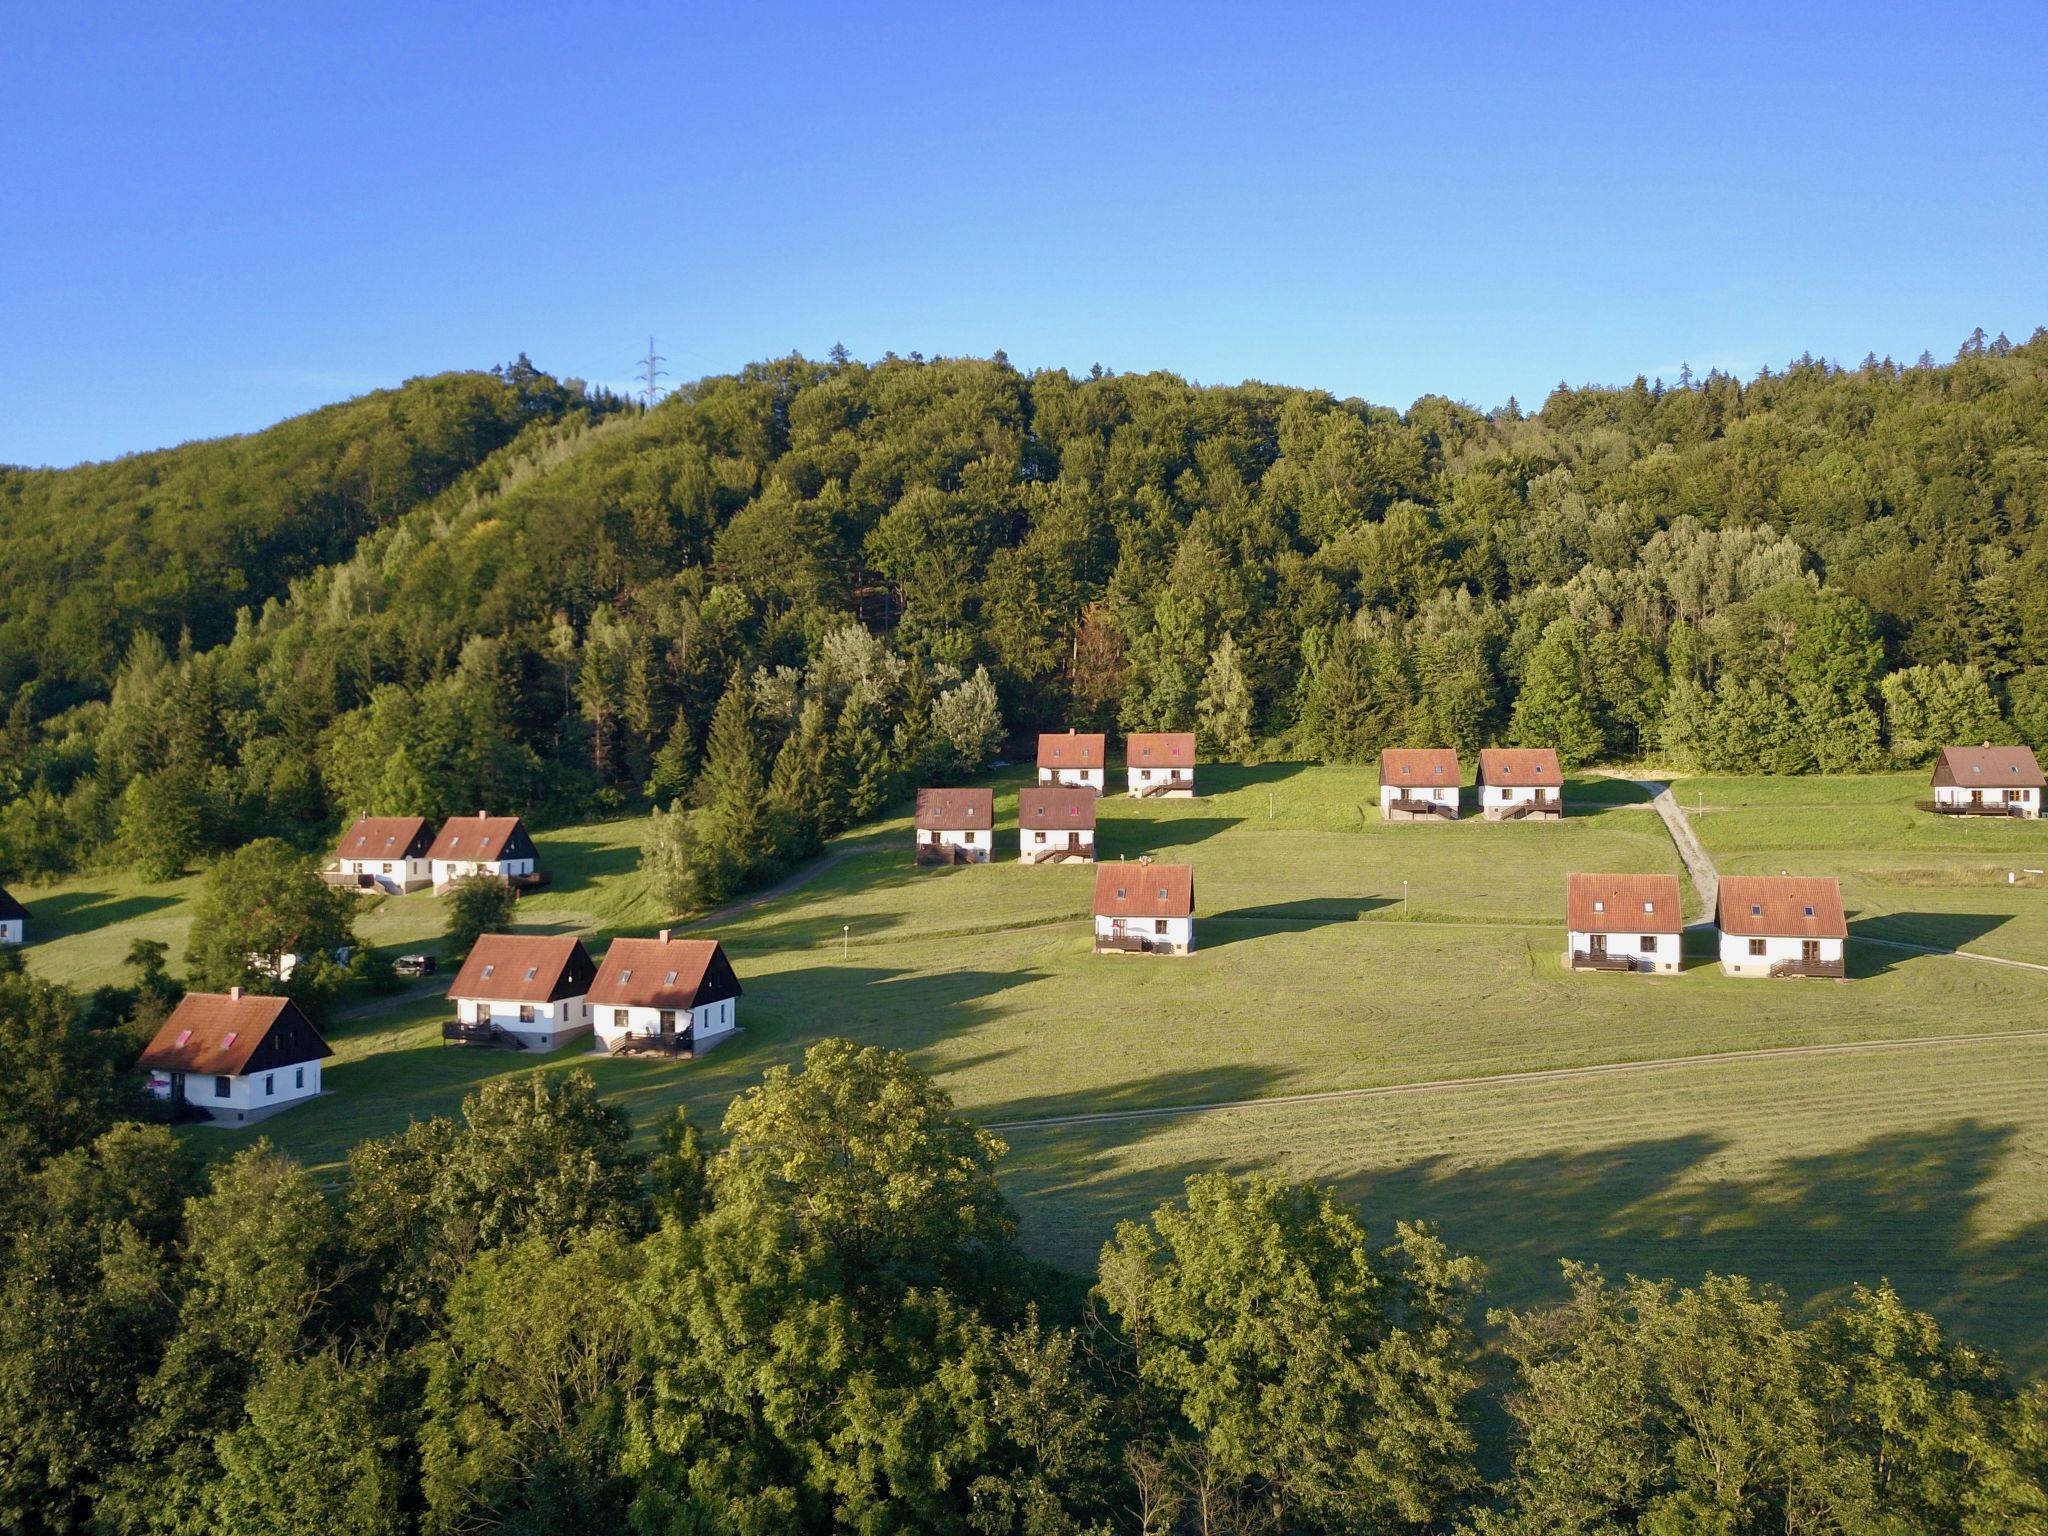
x: 217, y: 216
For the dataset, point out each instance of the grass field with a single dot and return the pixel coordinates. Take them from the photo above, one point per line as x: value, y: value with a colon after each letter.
x: 1337, y: 953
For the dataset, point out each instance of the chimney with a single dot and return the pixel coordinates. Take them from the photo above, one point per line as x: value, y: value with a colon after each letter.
x: 480, y: 815
x: 234, y: 994
x: 664, y: 935
x: 1070, y: 730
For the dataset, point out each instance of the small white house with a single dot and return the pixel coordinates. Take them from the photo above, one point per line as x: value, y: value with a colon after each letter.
x: 13, y: 920
x: 1419, y: 784
x: 1777, y: 925
x: 1056, y: 826
x: 1145, y: 909
x: 527, y: 991
x: 1988, y: 781
x: 1520, y: 782
x: 235, y: 1056
x: 955, y: 826
x: 676, y: 997
x: 1074, y: 759
x: 1160, y: 765
x: 482, y: 845
x: 385, y: 853
x: 1622, y: 922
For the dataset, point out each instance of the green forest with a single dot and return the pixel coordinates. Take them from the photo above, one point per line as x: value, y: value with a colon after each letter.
x: 502, y: 590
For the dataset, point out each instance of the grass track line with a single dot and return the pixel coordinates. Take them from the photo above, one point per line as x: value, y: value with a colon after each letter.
x: 1517, y: 1079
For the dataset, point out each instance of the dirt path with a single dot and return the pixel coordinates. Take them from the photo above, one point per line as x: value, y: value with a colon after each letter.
x: 1705, y: 879
x: 1518, y: 1079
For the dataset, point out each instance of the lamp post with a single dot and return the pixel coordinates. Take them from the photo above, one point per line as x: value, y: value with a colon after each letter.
x: 845, y: 937
x: 1404, y: 898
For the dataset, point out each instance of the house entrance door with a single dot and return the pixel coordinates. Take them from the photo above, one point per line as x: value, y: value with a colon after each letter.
x: 1809, y: 951
x: 1599, y: 942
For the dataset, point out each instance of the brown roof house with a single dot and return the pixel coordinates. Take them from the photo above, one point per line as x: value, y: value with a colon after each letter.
x: 1144, y: 909
x: 385, y: 853
x: 483, y: 845
x: 1781, y: 925
x: 1419, y: 784
x: 527, y: 991
x: 1518, y: 782
x: 1988, y: 781
x: 955, y: 826
x: 1072, y: 758
x: 1056, y: 826
x: 1160, y: 765
x: 671, y: 996
x: 13, y: 920
x: 235, y: 1056
x: 1622, y: 922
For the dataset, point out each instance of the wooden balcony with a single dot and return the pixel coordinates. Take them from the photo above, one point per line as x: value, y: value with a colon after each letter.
x: 1163, y: 787
x: 1521, y: 810
x: 943, y: 853
x: 1403, y: 806
x: 1058, y: 855
x: 1972, y: 808
x: 1836, y: 970
x: 456, y: 1032
x: 1589, y: 960
x: 676, y: 1047
x: 1134, y: 944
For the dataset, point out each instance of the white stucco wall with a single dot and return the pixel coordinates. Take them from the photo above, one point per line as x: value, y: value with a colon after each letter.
x: 12, y: 931
x: 389, y: 874
x: 1736, y: 959
x: 1180, y: 931
x: 254, y: 1093
x: 980, y: 841
x: 708, y: 1024
x: 2028, y: 799
x: 1078, y: 778
x: 1032, y: 842
x: 1499, y: 795
x: 447, y: 871
x: 1664, y: 956
x: 552, y: 1024
x: 1436, y: 795
x: 1182, y: 779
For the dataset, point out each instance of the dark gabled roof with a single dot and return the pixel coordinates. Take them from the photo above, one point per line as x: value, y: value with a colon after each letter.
x: 1144, y: 890
x: 956, y: 810
x: 1160, y: 749
x: 482, y: 839
x: 1419, y: 768
x: 1988, y: 768
x: 1781, y: 907
x: 386, y: 837
x: 1622, y: 904
x: 1056, y: 808
x: 1071, y: 749
x: 10, y: 909
x: 221, y: 1033
x: 525, y: 968
x: 1519, y: 767
x: 664, y: 972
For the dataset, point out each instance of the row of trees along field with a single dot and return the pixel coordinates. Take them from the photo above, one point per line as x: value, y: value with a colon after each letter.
x: 819, y: 1320
x: 497, y: 590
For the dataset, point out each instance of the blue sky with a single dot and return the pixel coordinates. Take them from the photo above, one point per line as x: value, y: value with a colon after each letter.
x: 218, y: 216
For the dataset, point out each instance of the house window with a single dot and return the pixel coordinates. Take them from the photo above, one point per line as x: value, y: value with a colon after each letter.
x: 299, y: 1078
x: 1649, y: 944
x: 1756, y: 946
x: 387, y: 869
x: 223, y: 1087
x: 526, y: 1013
x: 618, y: 1018
x: 1038, y: 837
x: 1159, y: 925
x: 270, y: 1085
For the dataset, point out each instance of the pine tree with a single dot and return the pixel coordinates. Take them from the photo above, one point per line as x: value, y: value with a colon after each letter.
x: 863, y: 753
x: 735, y: 821
x: 1552, y: 710
x: 1223, y: 708
x: 802, y: 793
x: 669, y: 774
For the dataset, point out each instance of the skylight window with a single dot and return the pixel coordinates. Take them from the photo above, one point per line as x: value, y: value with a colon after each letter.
x: 1755, y: 910
x: 669, y: 980
x: 625, y: 976
x: 184, y: 1035
x: 227, y: 1040
x: 489, y: 971
x: 1809, y: 911
x: 1119, y: 893
x: 1649, y: 906
x: 1599, y: 906
x: 532, y: 971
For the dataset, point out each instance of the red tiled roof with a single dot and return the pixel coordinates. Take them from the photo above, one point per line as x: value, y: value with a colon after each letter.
x: 478, y: 838
x: 956, y: 810
x: 217, y: 1032
x: 1144, y: 890
x: 1069, y: 749
x: 1622, y: 904
x: 1419, y: 768
x: 525, y: 968
x: 386, y: 837
x: 1519, y: 767
x: 1160, y: 749
x: 663, y: 973
x: 1988, y: 768
x: 1781, y: 907
x: 1056, y: 808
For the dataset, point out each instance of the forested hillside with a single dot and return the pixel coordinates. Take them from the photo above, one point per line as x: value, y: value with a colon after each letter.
x: 1819, y: 569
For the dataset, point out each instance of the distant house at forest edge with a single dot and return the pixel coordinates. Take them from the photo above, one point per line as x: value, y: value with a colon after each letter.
x: 1072, y: 758
x: 1517, y: 782
x: 955, y: 826
x: 1988, y: 781
x: 1419, y: 784
x: 1160, y: 764
x: 482, y: 845
x: 235, y: 1055
x: 385, y: 853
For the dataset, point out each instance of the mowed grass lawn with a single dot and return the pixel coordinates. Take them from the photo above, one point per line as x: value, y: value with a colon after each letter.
x: 1340, y: 953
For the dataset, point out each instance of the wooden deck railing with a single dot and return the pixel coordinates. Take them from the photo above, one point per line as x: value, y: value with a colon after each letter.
x: 1587, y: 960
x: 1965, y: 808
x: 1423, y: 808
x: 1835, y: 969
x: 480, y: 1034
x: 651, y: 1045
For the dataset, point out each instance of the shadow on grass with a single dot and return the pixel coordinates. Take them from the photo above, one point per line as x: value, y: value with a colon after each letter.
x: 1222, y: 778
x: 1933, y: 930
x: 68, y: 912
x: 1597, y: 795
x: 1902, y: 1207
x: 1243, y: 923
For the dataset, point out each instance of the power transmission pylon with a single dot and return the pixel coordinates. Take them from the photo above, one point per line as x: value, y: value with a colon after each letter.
x: 651, y: 373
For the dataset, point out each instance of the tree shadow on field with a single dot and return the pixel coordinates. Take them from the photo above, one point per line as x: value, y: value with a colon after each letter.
x: 1222, y: 778
x: 1243, y: 923
x: 1598, y: 795
x: 1901, y: 1206
x: 62, y: 913
x: 1933, y: 930
x: 1120, y: 837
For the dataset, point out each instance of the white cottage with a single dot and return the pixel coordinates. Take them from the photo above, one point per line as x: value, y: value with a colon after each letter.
x: 385, y: 853
x: 955, y: 826
x: 1622, y: 922
x: 1056, y: 826
x: 482, y: 845
x: 13, y: 920
x: 1072, y: 758
x: 528, y: 991
x: 235, y: 1056
x: 1419, y: 784
x: 676, y: 997
x: 1160, y: 765
x: 1145, y: 909
x: 1520, y: 782
x: 1988, y: 781
x: 1777, y: 925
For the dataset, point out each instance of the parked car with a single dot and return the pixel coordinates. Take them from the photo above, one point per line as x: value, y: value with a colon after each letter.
x: 414, y: 965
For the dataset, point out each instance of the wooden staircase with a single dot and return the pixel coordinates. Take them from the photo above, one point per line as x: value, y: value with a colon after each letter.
x: 480, y: 1034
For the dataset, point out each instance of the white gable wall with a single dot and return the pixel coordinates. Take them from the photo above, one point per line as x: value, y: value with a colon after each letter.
x: 708, y: 1024
x: 979, y: 841
x: 1077, y: 778
x: 1182, y: 780
x: 1737, y: 960
x: 1662, y: 953
x: 2028, y: 801
x: 1176, y: 931
x: 12, y: 930
x: 542, y: 1026
x: 1037, y: 841
x: 250, y: 1096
